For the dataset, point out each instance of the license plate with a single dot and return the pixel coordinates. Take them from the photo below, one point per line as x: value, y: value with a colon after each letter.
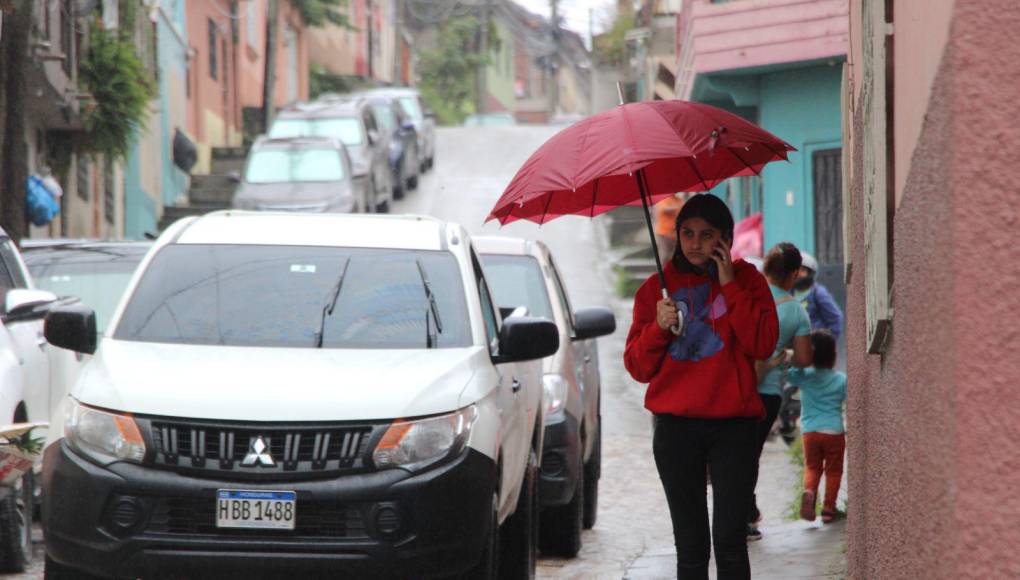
x: 273, y: 510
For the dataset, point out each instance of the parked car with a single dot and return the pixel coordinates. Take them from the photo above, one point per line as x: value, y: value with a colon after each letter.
x: 311, y: 174
x: 403, y: 140
x: 424, y: 121
x: 352, y: 122
x: 30, y: 381
x: 301, y: 393
x: 523, y: 273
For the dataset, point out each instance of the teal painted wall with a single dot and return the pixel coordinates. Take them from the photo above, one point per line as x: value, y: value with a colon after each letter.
x: 139, y: 209
x: 800, y: 106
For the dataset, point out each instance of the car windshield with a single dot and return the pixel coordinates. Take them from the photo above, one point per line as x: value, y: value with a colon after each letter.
x: 283, y: 296
x: 410, y: 105
x: 99, y: 285
x: 517, y: 281
x: 346, y: 129
x: 294, y: 165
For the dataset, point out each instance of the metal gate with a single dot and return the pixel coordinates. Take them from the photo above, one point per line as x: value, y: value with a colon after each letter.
x: 826, y: 173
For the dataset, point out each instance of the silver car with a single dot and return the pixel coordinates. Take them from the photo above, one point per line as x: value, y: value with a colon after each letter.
x: 424, y: 120
x: 312, y: 174
x: 351, y: 122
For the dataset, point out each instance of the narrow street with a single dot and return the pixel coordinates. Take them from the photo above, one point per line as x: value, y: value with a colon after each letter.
x: 632, y: 538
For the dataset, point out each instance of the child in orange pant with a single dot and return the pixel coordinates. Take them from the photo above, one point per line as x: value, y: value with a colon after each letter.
x: 822, y: 393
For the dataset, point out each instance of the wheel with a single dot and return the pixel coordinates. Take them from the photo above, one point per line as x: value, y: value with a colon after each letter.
x: 560, y: 527
x: 16, y: 510
x: 383, y: 207
x: 412, y: 182
x: 431, y: 161
x: 592, y: 473
x: 398, y: 188
x: 56, y: 571
x: 518, y: 539
x: 487, y: 567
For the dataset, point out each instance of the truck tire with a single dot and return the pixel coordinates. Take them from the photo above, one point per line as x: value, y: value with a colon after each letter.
x: 519, y: 537
x: 16, y: 510
x: 560, y: 527
x: 592, y: 473
x: 487, y: 567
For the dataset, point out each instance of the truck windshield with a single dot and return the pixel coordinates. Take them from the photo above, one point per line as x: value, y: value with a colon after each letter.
x: 274, y: 296
x: 517, y: 281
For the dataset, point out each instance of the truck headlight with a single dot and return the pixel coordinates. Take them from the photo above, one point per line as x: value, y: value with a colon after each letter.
x: 415, y: 443
x: 555, y: 392
x: 103, y: 436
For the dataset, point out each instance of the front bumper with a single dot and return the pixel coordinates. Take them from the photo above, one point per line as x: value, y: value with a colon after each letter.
x: 127, y: 520
x: 561, y: 457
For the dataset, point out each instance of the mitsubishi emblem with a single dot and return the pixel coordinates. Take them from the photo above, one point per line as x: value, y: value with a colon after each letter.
x: 258, y: 453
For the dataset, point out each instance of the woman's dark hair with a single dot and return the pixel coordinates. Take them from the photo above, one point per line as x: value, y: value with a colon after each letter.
x: 781, y: 261
x: 709, y: 208
x: 824, y: 344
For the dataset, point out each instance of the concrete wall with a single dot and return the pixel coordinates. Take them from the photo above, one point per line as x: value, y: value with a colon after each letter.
x: 800, y: 106
x: 933, y: 421
x: 499, y: 75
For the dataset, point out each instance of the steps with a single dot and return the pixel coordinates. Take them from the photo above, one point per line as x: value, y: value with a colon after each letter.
x: 210, y: 192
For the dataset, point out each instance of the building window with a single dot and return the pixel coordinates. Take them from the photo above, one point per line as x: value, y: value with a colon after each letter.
x: 67, y: 34
x: 46, y: 19
x: 213, y: 54
x: 109, y: 198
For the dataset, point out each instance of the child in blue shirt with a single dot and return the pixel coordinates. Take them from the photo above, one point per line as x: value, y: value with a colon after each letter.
x: 822, y: 394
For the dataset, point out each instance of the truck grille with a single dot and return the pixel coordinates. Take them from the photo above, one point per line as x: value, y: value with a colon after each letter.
x: 315, y: 519
x: 285, y: 451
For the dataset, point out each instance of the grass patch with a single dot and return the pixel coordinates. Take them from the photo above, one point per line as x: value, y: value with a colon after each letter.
x: 796, y: 453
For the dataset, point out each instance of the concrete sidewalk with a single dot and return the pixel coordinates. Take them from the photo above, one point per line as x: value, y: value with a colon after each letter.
x: 787, y: 550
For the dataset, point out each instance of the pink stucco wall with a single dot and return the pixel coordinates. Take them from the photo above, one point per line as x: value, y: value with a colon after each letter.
x: 755, y: 33
x: 934, y: 423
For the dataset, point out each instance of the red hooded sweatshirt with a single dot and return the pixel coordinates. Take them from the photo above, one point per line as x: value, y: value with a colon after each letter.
x: 707, y: 371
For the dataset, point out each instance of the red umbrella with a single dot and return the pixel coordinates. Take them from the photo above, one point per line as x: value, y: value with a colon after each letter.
x: 635, y: 154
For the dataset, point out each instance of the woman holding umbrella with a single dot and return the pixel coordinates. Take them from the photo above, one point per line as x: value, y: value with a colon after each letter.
x: 696, y: 348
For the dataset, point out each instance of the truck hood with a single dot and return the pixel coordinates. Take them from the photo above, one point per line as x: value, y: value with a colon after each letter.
x: 276, y: 384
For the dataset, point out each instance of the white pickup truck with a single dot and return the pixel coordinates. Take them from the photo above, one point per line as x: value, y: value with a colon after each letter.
x: 33, y: 375
x: 298, y: 394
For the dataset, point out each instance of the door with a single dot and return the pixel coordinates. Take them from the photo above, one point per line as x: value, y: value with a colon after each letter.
x: 827, y: 178
x: 509, y: 396
x: 581, y: 353
x: 30, y: 345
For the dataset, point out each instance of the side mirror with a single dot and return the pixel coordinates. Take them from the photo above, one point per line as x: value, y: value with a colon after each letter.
x: 593, y: 322
x: 22, y: 304
x: 234, y: 176
x: 523, y: 338
x: 72, y: 327
x: 407, y: 126
x: 508, y: 311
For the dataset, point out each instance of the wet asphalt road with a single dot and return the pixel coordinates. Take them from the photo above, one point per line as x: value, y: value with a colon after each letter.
x: 633, y: 534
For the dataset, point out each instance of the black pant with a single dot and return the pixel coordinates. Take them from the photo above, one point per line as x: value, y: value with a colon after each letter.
x: 772, y: 404
x: 683, y: 447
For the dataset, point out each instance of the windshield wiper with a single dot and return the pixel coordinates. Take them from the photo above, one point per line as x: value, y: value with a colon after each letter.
x: 327, y: 310
x: 431, y: 339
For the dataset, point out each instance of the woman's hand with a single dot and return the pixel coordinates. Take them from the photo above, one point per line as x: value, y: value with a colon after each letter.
x: 665, y: 314
x: 721, y: 255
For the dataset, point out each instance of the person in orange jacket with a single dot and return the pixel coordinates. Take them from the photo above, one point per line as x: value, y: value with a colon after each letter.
x: 665, y: 213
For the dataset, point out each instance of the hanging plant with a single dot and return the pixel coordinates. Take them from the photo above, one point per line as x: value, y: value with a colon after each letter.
x: 120, y: 89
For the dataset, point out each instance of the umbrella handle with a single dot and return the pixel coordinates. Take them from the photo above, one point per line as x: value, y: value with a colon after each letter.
x: 675, y: 329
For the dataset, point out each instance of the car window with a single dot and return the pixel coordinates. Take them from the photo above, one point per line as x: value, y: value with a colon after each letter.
x: 411, y: 107
x: 518, y: 281
x: 99, y: 285
x: 347, y: 129
x: 11, y: 277
x: 561, y: 294
x: 488, y: 311
x: 384, y: 117
x: 281, y: 296
x: 294, y: 165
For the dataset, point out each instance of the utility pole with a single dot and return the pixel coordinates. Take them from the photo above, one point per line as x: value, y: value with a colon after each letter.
x: 483, y: 51
x: 398, y: 44
x: 269, y: 83
x: 554, y: 58
x: 14, y: 55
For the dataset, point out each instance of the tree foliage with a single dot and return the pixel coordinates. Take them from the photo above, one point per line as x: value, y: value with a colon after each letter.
x: 610, y: 48
x: 449, y: 71
x: 120, y: 86
x: 322, y: 12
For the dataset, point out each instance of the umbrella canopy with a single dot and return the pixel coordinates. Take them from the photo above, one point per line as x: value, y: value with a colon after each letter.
x: 602, y: 162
